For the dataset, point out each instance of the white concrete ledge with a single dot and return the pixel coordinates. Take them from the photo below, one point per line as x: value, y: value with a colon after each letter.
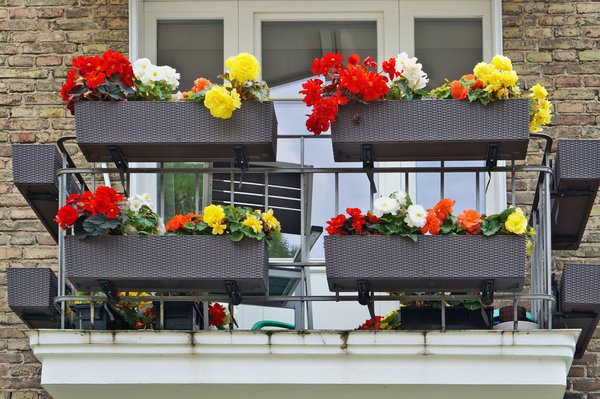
x: 307, y: 365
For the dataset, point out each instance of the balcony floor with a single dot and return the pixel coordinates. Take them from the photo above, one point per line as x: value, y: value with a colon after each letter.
x: 295, y: 365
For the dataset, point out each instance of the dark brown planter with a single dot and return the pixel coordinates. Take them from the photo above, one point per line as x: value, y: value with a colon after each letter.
x: 434, y: 263
x: 31, y: 294
x: 507, y: 313
x: 457, y: 318
x: 162, y: 263
x: 105, y: 318
x: 162, y: 131
x: 34, y: 174
x: 422, y: 130
x: 576, y: 182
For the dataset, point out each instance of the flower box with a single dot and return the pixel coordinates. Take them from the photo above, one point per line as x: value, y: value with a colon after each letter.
x: 104, y: 317
x: 576, y: 182
x: 422, y: 130
x: 31, y: 294
x: 457, y: 318
x: 162, y: 263
x: 161, y: 131
x: 178, y: 315
x: 34, y: 174
x: 433, y: 263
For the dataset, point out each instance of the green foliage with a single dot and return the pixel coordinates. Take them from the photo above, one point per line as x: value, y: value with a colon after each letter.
x: 96, y: 225
x: 154, y: 91
x: 399, y: 90
x: 143, y: 222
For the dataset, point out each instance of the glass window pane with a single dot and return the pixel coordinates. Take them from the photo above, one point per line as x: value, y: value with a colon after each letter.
x: 194, y: 48
x: 180, y: 190
x: 289, y: 47
x: 448, y: 48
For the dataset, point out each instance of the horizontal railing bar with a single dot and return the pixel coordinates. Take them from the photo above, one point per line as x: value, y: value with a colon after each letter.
x: 297, y: 298
x: 332, y: 170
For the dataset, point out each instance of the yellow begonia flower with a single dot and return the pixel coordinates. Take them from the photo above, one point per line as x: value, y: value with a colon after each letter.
x: 270, y: 221
x: 501, y: 62
x: 213, y: 215
x: 538, y: 91
x: 253, y: 222
x: 516, y: 222
x: 243, y: 67
x: 219, y: 229
x: 482, y: 71
x: 221, y: 102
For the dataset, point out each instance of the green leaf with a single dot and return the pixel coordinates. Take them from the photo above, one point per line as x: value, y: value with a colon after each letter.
x: 237, y: 236
x: 490, y: 226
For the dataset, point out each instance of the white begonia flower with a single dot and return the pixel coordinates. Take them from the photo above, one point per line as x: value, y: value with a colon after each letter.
x: 412, y: 71
x: 145, y: 79
x: 384, y: 205
x: 161, y: 226
x: 140, y: 67
x: 177, y: 96
x: 400, y: 197
x: 170, y: 76
x: 416, y: 216
x: 134, y: 204
x: 155, y: 74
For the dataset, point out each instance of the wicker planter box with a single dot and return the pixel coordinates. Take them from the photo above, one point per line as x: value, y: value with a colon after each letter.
x: 424, y: 130
x: 160, y: 263
x: 34, y: 174
x: 576, y: 181
x: 457, y: 318
x: 104, y: 317
x: 579, y: 288
x: 434, y: 263
x: 179, y: 316
x: 159, y: 131
x: 31, y: 294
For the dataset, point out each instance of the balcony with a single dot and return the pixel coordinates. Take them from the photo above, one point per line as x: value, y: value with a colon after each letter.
x: 322, y: 357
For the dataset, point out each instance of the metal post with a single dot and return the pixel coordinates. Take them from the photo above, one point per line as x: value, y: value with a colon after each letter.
x: 197, y: 193
x: 442, y: 191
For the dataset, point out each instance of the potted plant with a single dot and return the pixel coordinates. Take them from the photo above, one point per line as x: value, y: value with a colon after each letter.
x: 350, y: 101
x: 400, y: 246
x: 198, y: 252
x: 134, y: 108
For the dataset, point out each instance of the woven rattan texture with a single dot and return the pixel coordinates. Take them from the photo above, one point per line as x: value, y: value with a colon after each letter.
x: 175, y: 258
x: 432, y: 258
x: 580, y: 288
x: 429, y: 120
x: 30, y: 288
x: 35, y: 164
x: 172, y: 122
x: 578, y: 160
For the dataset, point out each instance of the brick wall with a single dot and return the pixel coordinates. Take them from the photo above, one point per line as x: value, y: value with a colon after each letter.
x: 554, y: 42
x: 37, y: 40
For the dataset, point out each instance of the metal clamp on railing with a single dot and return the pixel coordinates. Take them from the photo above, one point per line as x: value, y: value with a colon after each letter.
x: 121, y: 164
x: 109, y: 291
x: 487, y: 292
x: 369, y: 165
x: 491, y: 159
x: 235, y: 296
x: 241, y: 161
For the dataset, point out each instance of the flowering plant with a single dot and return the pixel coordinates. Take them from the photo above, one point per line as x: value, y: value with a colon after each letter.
x: 397, y: 215
x: 236, y: 222
x: 497, y: 81
x: 99, y: 213
x: 241, y: 83
x: 154, y: 82
x: 105, y: 78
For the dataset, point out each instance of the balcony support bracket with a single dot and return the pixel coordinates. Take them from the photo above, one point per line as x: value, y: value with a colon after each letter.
x: 241, y: 161
x: 109, y: 291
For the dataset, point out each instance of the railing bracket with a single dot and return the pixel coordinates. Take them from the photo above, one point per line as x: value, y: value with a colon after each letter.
x: 369, y: 165
x: 364, y: 296
x: 491, y: 160
x: 121, y: 164
x: 109, y: 291
x: 235, y: 297
x: 487, y: 292
x: 241, y: 161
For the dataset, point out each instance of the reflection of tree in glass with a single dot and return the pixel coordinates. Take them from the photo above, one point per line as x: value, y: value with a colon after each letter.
x: 180, y: 190
x: 282, y: 248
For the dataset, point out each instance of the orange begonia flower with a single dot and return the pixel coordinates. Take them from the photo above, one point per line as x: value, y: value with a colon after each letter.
x: 200, y: 84
x: 470, y: 220
x: 443, y: 208
x: 459, y: 92
x: 433, y: 224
